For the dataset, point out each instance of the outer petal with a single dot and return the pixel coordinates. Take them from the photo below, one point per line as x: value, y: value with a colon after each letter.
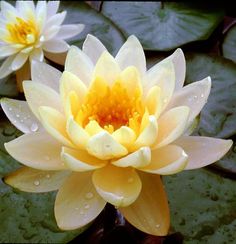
x: 194, y: 96
x: 150, y: 212
x: 8, y: 50
x: 55, y: 123
x: 56, y: 19
x: 45, y: 74
x: 171, y: 125
x: 80, y: 160
x: 19, y: 61
x: 139, y: 158
x: 68, y: 31
x: 103, y: 146
x: 77, y: 202
x: 38, y: 95
x: 55, y: 46
x: 132, y: 54
x: 20, y: 115
x: 203, y: 151
x: 52, y: 7
x: 33, y: 180
x: 5, y: 68
x: 37, y: 150
x: 167, y: 160
x: 37, y: 54
x: 118, y: 186
x: 93, y: 48
x: 79, y: 64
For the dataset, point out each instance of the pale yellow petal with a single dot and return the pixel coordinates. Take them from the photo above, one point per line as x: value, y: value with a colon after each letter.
x: 93, y: 128
x: 171, y: 125
x: 104, y: 146
x: 139, y: 158
x: 77, y: 202
x: 80, y: 160
x: 153, y: 101
x: 124, y: 135
x: 118, y: 186
x: 33, y: 180
x: 72, y: 104
x: 150, y: 212
x: 37, y: 150
x: 167, y: 160
x: 203, y: 151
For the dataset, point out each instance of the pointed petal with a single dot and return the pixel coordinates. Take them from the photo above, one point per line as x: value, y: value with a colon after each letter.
x: 68, y: 31
x: 38, y: 94
x: 55, y: 46
x: 132, y: 54
x: 80, y: 160
x: 153, y: 101
x: 194, y: 96
x: 36, y: 150
x: 103, y: 146
x: 20, y: 115
x: 171, y: 125
x: 93, y: 128
x: 203, y: 151
x: 33, y: 180
x: 118, y: 186
x: 55, y: 124
x: 139, y: 158
x: 124, y: 135
x: 77, y: 202
x: 5, y: 68
x: 167, y: 160
x: 55, y: 19
x: 150, y: 212
x: 19, y: 60
x: 52, y: 7
x: 93, y: 48
x: 45, y: 74
x: 107, y: 68
x: 36, y: 54
x: 8, y: 50
x: 79, y: 64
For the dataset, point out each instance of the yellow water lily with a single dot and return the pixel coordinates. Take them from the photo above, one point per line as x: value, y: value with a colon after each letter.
x: 30, y: 32
x: 105, y: 129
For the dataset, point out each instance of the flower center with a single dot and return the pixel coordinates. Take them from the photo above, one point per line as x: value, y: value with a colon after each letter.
x: 22, y: 32
x: 112, y: 107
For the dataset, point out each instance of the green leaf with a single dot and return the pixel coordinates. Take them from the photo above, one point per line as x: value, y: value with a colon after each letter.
x: 229, y: 44
x: 202, y: 206
x: 166, y: 25
x: 8, y: 86
x: 218, y: 117
x: 95, y: 24
x: 25, y: 217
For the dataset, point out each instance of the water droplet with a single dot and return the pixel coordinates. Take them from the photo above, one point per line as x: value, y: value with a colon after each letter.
x: 158, y: 226
x: 89, y: 195
x: 10, y: 109
x: 22, y: 121
x: 36, y: 183
x: 48, y: 176
x: 86, y: 206
x: 81, y: 212
x: 17, y: 115
x: 195, y: 96
x: 47, y: 157
x: 34, y: 127
x: 130, y: 180
x: 76, y: 208
x: 202, y: 95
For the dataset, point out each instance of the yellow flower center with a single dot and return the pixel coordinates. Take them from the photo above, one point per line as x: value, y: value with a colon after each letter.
x: 111, y: 106
x: 22, y: 32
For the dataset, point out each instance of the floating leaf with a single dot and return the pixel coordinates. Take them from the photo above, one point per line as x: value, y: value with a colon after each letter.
x: 229, y: 44
x: 163, y: 25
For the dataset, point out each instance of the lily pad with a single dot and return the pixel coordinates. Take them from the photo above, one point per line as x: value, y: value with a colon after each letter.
x: 202, y: 206
x: 95, y: 24
x: 25, y: 217
x: 164, y: 25
x: 229, y: 44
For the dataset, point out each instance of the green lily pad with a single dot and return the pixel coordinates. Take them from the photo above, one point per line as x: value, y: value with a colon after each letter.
x: 25, y: 217
x: 95, y: 24
x: 202, y: 206
x: 163, y: 25
x: 229, y: 44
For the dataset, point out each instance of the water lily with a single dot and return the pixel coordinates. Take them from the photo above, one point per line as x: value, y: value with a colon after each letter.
x: 29, y: 32
x: 105, y: 129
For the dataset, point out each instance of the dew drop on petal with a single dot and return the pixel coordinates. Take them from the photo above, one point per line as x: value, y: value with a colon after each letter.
x: 17, y: 115
x: 10, y: 109
x: 81, y: 212
x: 202, y: 95
x: 86, y: 206
x: 48, y: 176
x: 22, y: 121
x: 76, y: 208
x: 89, y: 195
x: 34, y: 127
x: 158, y: 226
x: 130, y: 180
x: 36, y: 183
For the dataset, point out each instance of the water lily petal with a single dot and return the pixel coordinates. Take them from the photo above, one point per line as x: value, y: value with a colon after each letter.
x: 80, y: 160
x: 93, y: 48
x: 139, y: 158
x: 124, y: 135
x: 19, y: 61
x: 153, y: 101
x: 118, y: 186
x: 5, y: 68
x: 55, y: 19
x: 68, y: 31
x: 52, y: 7
x: 106, y: 68
x: 167, y: 160
x: 203, y: 151
x: 171, y: 125
x: 55, y: 46
x: 8, y: 50
x: 55, y: 124
x: 33, y: 180
x: 45, y: 74
x: 150, y: 212
x: 38, y: 94
x: 93, y: 128
x: 78, y: 63
x: 132, y: 54
x: 36, y: 54
x: 104, y: 146
x: 20, y: 115
x: 77, y: 202
x: 36, y: 150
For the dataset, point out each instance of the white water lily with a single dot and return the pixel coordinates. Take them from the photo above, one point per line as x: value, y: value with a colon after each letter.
x: 105, y: 129
x: 30, y: 32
